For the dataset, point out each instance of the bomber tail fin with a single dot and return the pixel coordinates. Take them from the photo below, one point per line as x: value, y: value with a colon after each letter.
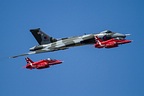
x: 28, y: 60
x: 41, y: 37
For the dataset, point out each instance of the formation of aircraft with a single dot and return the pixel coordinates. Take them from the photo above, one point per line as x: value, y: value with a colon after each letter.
x: 46, y: 43
x: 41, y: 64
x: 50, y: 44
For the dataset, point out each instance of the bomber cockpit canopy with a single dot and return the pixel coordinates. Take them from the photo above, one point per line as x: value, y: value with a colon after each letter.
x: 107, y: 31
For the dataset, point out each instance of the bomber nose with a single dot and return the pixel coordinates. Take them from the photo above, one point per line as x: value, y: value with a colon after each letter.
x: 119, y: 35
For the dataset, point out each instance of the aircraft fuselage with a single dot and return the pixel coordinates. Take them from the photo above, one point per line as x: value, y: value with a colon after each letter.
x: 65, y: 43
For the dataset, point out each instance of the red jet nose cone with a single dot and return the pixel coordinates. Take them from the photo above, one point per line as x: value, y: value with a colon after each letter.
x: 127, y: 41
x: 58, y: 61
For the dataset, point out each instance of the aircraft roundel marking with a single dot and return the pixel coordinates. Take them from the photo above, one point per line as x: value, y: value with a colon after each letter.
x: 39, y: 33
x: 104, y: 38
x: 45, y: 37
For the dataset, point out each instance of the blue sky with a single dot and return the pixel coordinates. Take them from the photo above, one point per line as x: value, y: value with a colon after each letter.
x: 86, y: 71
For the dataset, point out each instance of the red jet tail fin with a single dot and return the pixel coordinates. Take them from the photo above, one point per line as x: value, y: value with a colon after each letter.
x: 97, y: 39
x: 28, y: 60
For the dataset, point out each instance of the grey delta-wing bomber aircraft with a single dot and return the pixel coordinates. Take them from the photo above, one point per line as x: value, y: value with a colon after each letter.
x: 50, y: 44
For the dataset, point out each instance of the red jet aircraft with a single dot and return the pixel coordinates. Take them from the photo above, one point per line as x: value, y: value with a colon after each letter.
x: 41, y: 64
x: 111, y: 43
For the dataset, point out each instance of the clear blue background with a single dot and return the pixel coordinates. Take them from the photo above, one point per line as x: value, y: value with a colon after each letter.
x: 86, y: 71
